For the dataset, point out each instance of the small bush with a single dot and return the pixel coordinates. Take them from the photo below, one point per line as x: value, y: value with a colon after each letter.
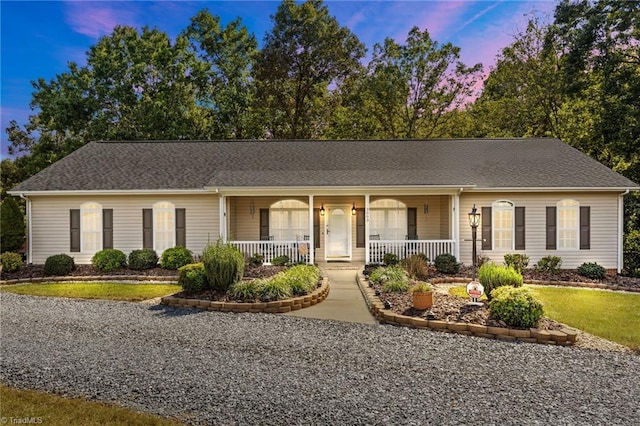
x: 517, y: 307
x: 143, y: 259
x: 224, y: 264
x: 382, y: 274
x: 11, y: 262
x: 280, y: 260
x: 492, y: 276
x: 517, y: 261
x: 12, y: 227
x: 390, y: 259
x: 256, y: 260
x: 274, y: 289
x: 396, y: 286
x: 421, y: 287
x: 549, y: 264
x: 631, y: 253
x: 109, y: 259
x: 246, y: 291
x: 192, y: 277
x: 417, y: 266
x: 592, y: 270
x: 59, y: 264
x: 301, y: 279
x: 176, y: 257
x: 447, y: 264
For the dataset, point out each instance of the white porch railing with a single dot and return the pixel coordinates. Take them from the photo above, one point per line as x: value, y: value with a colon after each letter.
x: 296, y: 251
x: 403, y: 249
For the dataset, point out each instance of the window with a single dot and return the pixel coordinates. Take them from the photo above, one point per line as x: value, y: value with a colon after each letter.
x: 91, y: 227
x: 289, y: 220
x: 388, y: 218
x: 164, y: 221
x: 568, y: 224
x: 502, y: 225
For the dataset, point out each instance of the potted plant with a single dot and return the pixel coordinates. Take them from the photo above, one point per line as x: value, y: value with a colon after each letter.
x: 422, y: 295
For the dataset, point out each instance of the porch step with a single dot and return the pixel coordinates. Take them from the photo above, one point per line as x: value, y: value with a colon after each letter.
x: 340, y: 266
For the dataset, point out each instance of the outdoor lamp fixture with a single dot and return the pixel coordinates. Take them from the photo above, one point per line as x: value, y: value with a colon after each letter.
x: 474, y: 221
x: 322, y: 210
x: 353, y: 209
x: 252, y: 209
x: 426, y: 208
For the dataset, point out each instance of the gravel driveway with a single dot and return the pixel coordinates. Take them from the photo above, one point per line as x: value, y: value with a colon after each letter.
x: 217, y: 368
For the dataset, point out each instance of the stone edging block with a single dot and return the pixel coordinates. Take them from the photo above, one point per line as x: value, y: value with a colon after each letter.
x: 564, y: 337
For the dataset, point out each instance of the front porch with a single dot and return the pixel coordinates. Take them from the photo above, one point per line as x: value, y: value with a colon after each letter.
x: 341, y: 228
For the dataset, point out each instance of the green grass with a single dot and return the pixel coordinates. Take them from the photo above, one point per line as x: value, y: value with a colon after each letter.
x: 611, y: 315
x: 95, y: 290
x: 48, y: 409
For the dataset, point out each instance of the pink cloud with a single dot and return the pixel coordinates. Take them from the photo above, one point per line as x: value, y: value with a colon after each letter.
x: 95, y: 19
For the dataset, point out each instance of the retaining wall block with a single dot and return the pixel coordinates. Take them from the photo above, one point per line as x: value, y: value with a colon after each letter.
x: 519, y: 333
x: 438, y: 324
x: 498, y: 331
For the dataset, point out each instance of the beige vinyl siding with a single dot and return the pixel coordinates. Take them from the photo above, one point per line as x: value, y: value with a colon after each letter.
x: 603, y: 224
x: 50, y: 221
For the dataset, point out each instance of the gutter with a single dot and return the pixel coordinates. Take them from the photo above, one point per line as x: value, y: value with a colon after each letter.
x: 621, y: 230
x: 29, y: 236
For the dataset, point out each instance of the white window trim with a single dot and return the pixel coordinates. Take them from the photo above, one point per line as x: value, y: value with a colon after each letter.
x: 575, y: 206
x: 91, y: 207
x: 400, y: 206
x: 495, y: 207
x: 161, y: 207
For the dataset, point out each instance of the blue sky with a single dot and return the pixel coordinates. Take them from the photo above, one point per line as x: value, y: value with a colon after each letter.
x: 39, y: 38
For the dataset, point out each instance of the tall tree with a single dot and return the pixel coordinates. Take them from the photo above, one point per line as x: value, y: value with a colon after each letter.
x: 305, y: 56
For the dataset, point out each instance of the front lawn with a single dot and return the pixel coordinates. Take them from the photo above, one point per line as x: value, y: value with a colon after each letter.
x: 95, y: 290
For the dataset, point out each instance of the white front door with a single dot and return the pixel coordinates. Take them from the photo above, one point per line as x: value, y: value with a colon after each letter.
x: 338, y: 233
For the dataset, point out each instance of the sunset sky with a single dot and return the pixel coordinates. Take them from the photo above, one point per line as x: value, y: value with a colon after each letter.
x: 40, y: 38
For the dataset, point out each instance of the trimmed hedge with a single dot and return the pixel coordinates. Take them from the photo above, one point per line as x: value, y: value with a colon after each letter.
x: 11, y: 262
x: 592, y: 270
x: 192, y: 277
x: 176, y: 257
x: 549, y: 264
x: 59, y: 264
x: 109, y: 259
x: 447, y: 264
x: 143, y: 259
x: 517, y: 307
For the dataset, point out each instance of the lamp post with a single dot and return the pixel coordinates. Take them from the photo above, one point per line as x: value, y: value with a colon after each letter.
x: 474, y: 221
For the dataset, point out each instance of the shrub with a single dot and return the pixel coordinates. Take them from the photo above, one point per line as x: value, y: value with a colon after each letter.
x: 631, y: 253
x: 224, y: 264
x: 109, y: 259
x: 280, y: 260
x: 390, y: 259
x: 592, y: 270
x: 12, y: 228
x: 446, y: 264
x: 256, y: 260
x: 246, y: 291
x: 176, y: 257
x: 143, y: 259
x: 301, y: 279
x: 11, y: 262
x: 383, y: 274
x: 492, y: 276
x: 517, y: 307
x: 549, y: 264
x: 517, y: 261
x: 421, y: 287
x: 274, y: 289
x: 59, y: 264
x: 192, y: 277
x: 417, y: 266
x: 396, y: 286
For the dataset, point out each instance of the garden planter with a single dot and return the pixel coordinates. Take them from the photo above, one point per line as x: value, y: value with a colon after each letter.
x: 422, y: 301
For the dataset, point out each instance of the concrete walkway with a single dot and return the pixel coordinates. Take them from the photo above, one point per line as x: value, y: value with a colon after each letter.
x: 344, y: 303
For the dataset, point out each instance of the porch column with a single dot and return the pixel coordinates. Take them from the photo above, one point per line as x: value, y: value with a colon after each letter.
x: 455, y: 225
x: 223, y: 217
x: 367, y: 257
x: 312, y: 243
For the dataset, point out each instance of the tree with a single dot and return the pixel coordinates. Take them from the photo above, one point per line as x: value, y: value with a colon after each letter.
x: 12, y: 225
x: 305, y: 56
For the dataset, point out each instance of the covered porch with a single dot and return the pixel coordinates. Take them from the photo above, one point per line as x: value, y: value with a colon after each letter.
x: 358, y: 228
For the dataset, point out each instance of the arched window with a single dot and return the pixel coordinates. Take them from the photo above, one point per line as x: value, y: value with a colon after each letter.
x: 388, y: 218
x: 502, y: 216
x: 91, y: 227
x: 289, y: 220
x: 568, y: 224
x: 164, y: 222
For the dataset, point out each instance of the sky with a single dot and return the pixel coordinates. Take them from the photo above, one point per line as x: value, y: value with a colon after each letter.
x: 39, y: 38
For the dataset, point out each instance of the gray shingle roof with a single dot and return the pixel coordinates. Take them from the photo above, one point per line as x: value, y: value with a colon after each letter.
x: 179, y: 165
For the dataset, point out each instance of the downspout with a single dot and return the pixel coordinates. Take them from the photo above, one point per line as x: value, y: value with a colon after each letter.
x: 28, y: 206
x: 621, y: 230
x: 456, y: 223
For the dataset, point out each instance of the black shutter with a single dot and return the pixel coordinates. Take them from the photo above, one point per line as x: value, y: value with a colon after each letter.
x: 107, y: 228
x: 264, y: 224
x: 585, y: 228
x: 316, y: 228
x: 181, y: 234
x: 147, y: 228
x: 360, y: 228
x: 519, y: 237
x: 551, y: 228
x: 487, y: 243
x: 74, y: 226
x: 412, y: 223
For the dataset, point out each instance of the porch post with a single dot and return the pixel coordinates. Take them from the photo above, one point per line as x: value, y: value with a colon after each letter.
x: 367, y: 257
x: 455, y: 226
x: 312, y: 243
x: 223, y: 217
